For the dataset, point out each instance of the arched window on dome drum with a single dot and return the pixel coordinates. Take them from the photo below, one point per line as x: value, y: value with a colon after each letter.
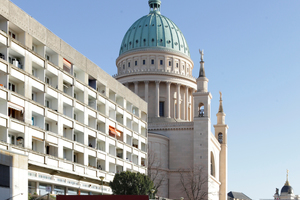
x: 201, y: 110
x: 220, y: 138
x: 212, y: 164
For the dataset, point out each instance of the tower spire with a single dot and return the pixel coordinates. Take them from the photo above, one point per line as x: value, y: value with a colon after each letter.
x: 221, y: 103
x: 202, y: 70
x: 287, y: 183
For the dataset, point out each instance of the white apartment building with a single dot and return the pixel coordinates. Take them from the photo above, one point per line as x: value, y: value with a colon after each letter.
x: 74, y: 121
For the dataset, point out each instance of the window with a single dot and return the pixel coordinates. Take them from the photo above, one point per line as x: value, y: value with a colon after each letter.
x: 47, y: 80
x: 123, y: 66
x: 33, y: 96
x: 33, y: 48
x: 47, y: 127
x: 5, y: 176
x: 177, y: 65
x: 34, y: 72
x: 48, y: 57
x: 75, y: 95
x: 75, y: 116
x: 135, y: 63
x: 220, y: 138
x: 47, y: 104
x: 144, y: 62
x: 161, y: 62
x: 129, y: 64
x: 152, y: 62
x: 161, y: 109
x: 212, y: 164
x: 32, y: 121
x: 12, y: 34
x: 170, y: 63
x: 12, y: 87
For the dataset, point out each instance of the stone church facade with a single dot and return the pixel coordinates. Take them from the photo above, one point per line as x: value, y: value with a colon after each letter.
x: 154, y: 62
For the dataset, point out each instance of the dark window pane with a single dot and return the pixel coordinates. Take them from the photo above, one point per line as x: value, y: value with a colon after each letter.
x: 4, y: 178
x: 161, y: 109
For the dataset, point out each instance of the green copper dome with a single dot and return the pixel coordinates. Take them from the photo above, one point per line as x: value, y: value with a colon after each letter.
x: 154, y: 31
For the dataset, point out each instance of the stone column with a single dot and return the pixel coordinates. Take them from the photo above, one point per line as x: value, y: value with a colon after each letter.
x: 178, y: 102
x: 146, y: 90
x: 192, y: 104
x: 157, y: 99
x: 136, y: 87
x: 186, y: 103
x: 168, y: 100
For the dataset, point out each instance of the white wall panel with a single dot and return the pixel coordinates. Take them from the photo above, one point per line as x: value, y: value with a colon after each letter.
x: 36, y: 133
x: 3, y: 39
x: 17, y: 48
x: 90, y: 132
x: 52, y: 92
x: 101, y: 137
x: 67, y: 100
x: 67, y: 144
x: 17, y: 127
x: 111, y: 105
x: 3, y: 67
x: 37, y: 60
x: 79, y: 106
x: 79, y: 85
x: 101, y: 99
x: 52, y: 139
x: 52, y: 69
x: 67, y: 122
x: 91, y: 152
x: 3, y: 122
x: 79, y: 127
x: 37, y: 109
x: 68, y: 79
x: 17, y: 74
x: 37, y: 85
x: 91, y: 113
x: 101, y: 118
x: 92, y: 93
x: 16, y: 100
x: 51, y: 115
x: 3, y: 95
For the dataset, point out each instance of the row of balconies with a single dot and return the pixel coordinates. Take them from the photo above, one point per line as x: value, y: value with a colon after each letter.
x: 43, y: 142
x: 53, y: 99
x: 102, y: 164
x: 73, y: 83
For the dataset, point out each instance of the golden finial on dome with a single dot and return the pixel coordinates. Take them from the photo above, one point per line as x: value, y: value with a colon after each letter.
x: 287, y: 178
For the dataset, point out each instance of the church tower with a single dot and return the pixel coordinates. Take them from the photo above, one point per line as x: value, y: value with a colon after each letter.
x: 202, y: 122
x: 221, y: 136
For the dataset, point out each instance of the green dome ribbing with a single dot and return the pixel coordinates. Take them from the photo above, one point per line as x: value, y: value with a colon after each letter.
x: 154, y: 31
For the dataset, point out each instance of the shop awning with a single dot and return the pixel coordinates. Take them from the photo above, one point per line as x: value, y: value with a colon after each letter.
x: 114, y: 131
x: 16, y: 107
x: 67, y: 63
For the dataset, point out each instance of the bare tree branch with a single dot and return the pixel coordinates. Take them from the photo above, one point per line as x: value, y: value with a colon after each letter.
x: 194, y: 183
x: 155, y: 170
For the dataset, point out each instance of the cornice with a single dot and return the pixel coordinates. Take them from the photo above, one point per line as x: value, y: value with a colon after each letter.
x: 171, y: 126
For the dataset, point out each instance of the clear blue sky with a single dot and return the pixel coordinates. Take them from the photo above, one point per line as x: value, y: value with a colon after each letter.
x: 252, y: 51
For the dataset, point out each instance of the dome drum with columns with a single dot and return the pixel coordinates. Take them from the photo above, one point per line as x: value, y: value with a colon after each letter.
x: 154, y: 62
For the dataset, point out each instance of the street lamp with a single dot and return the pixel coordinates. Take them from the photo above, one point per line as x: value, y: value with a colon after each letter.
x: 102, y: 177
x: 152, y: 191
